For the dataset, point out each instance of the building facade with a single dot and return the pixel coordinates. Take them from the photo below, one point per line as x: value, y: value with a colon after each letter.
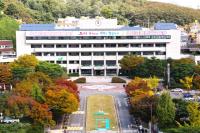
x: 6, y: 48
x: 94, y: 46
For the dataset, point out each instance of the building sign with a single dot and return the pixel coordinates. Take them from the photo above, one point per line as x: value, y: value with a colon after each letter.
x: 95, y: 33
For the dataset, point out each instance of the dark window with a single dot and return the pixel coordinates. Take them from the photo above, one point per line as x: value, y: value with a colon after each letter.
x: 61, y: 54
x: 74, y: 54
x: 98, y: 45
x: 111, y: 45
x: 38, y: 54
x: 86, y: 54
x: 86, y: 45
x: 135, y: 45
x: 86, y: 63
x: 110, y: 62
x: 110, y: 53
x: 61, y: 45
x: 148, y: 53
x: 73, y: 45
x: 122, y: 53
x: 48, y: 45
x: 147, y: 45
x: 98, y: 53
x: 123, y: 45
x: 73, y: 62
x: 160, y: 53
x: 161, y: 45
x: 36, y: 46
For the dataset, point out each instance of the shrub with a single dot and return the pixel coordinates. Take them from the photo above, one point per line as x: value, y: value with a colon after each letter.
x: 80, y: 80
x: 118, y: 80
x: 73, y: 74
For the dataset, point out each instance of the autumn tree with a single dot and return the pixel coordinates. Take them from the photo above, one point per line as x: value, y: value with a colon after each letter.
x: 25, y: 61
x: 27, y: 107
x: 5, y: 74
x: 43, y: 80
x: 138, y: 86
x: 187, y: 82
x: 23, y: 88
x: 59, y: 99
x: 69, y: 85
x: 196, y: 82
x: 165, y: 110
x: 141, y: 94
x: 152, y: 82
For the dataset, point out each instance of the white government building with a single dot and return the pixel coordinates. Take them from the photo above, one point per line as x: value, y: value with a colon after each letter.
x: 95, y: 46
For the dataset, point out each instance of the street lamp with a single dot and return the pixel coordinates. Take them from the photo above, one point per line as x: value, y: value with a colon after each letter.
x: 168, y: 75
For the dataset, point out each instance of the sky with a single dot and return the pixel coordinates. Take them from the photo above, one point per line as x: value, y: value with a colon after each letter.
x: 187, y: 3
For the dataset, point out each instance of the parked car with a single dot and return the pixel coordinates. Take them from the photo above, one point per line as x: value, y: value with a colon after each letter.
x: 189, y: 99
x: 10, y: 120
x: 187, y: 95
x: 177, y: 90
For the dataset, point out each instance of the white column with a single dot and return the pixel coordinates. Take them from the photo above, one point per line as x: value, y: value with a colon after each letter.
x: 117, y: 63
x: 79, y: 63
x: 67, y: 59
x: 104, y: 61
x: 92, y: 64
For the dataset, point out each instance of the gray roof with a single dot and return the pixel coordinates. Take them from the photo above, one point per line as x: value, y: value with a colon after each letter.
x: 165, y: 26
x: 51, y: 27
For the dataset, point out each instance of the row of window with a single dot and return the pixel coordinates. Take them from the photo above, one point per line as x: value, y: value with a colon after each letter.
x: 87, y: 63
x: 6, y: 46
x: 96, y: 37
x: 97, y: 45
x: 99, y: 53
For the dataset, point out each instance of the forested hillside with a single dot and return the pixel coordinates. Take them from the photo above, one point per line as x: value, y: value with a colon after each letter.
x: 131, y: 12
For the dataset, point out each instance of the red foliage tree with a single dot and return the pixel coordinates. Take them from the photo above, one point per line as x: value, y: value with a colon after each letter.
x: 26, y: 106
x: 69, y: 85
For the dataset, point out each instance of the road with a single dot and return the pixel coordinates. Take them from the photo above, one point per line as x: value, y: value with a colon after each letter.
x: 116, y: 90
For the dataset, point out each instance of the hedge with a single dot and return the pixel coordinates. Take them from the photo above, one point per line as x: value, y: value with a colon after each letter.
x: 118, y: 80
x: 80, y: 80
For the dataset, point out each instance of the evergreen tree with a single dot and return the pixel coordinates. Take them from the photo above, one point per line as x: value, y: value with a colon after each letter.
x: 165, y: 110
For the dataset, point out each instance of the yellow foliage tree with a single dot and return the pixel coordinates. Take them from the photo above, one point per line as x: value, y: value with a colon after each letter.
x: 152, y: 82
x: 62, y: 100
x: 187, y: 82
x: 27, y: 61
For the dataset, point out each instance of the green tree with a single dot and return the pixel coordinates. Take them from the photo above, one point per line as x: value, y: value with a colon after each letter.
x: 8, y: 27
x: 53, y: 70
x: 194, y: 114
x: 129, y: 62
x: 37, y: 94
x: 11, y: 10
x: 151, y: 67
x: 19, y: 73
x: 181, y: 109
x: 181, y: 69
x: 165, y: 110
x: 1, y: 5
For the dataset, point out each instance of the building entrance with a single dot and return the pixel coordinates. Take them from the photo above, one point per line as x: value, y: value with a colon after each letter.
x: 98, y: 72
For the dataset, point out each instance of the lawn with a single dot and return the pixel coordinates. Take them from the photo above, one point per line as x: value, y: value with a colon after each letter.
x: 96, y: 103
